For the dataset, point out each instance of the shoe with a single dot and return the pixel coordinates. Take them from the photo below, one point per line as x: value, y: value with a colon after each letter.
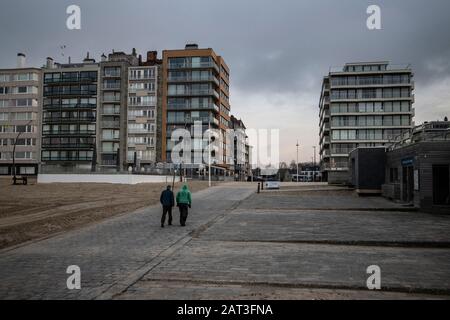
x: 170, y: 224
x: 162, y: 226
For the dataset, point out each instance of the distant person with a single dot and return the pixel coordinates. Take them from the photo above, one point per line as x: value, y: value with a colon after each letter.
x: 184, y: 202
x: 167, y: 201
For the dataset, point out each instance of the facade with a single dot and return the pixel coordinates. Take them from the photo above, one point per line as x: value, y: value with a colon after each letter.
x: 241, y: 151
x: 112, y: 120
x: 69, y: 116
x: 142, y: 115
x: 196, y: 88
x: 20, y: 90
x: 362, y: 105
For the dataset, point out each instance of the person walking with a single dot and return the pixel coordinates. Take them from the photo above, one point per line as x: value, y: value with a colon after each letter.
x: 167, y: 201
x: 184, y: 201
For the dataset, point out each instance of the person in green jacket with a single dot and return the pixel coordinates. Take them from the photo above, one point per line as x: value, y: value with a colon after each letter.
x: 184, y: 202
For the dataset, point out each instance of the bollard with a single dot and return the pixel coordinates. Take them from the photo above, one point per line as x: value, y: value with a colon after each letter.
x: 258, y: 187
x: 262, y: 185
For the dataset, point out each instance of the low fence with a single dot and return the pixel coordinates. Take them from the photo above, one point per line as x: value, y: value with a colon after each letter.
x: 104, y: 178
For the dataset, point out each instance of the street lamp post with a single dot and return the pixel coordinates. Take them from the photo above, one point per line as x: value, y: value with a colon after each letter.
x: 209, y: 153
x: 297, y: 145
x: 14, y: 152
x: 314, y: 174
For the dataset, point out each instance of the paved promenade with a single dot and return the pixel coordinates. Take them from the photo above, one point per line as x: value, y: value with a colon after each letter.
x: 239, y: 244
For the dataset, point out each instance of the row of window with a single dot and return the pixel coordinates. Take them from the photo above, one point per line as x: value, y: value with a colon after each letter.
x: 150, y: 141
x: 353, y: 121
x: 148, y: 86
x: 189, y: 116
x: 194, y: 88
x: 191, y: 103
x: 367, y: 134
x: 17, y: 129
x: 368, y: 107
x: 379, y: 93
x: 61, y: 129
x: 19, y: 90
x: 84, y: 89
x: 365, y: 68
x: 19, y: 155
x: 144, y: 73
x: 371, y: 80
x: 141, y: 128
x: 68, y: 142
x: 141, y: 113
x: 147, y: 155
x: 191, y: 62
x: 32, y: 76
x: 23, y: 142
x: 72, y: 102
x: 69, y: 115
x: 4, y: 116
x: 63, y: 155
x: 142, y: 101
x: 5, y: 103
x: 194, y: 75
x: 88, y: 76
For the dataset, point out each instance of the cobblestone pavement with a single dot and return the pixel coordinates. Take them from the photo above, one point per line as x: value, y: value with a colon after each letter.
x: 110, y: 254
x: 239, y: 244
x: 282, y: 252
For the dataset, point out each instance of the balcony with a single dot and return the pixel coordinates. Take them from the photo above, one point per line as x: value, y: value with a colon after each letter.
x: 111, y: 86
x: 69, y: 133
x: 203, y: 65
x: 109, y: 162
x: 111, y: 74
x: 210, y: 106
x: 110, y: 124
x: 209, y: 92
x: 194, y: 79
x: 68, y: 119
x: 71, y: 106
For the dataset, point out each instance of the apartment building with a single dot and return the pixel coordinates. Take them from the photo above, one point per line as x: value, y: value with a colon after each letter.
x: 362, y: 105
x: 113, y: 116
x: 196, y: 88
x: 69, y: 116
x: 144, y: 116
x: 20, y: 90
x: 239, y: 143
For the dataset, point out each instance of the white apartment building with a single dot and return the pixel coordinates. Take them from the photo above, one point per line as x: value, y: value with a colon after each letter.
x: 142, y: 115
x: 19, y: 118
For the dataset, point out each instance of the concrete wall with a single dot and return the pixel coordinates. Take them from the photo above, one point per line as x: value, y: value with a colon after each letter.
x: 103, y: 178
x: 338, y: 177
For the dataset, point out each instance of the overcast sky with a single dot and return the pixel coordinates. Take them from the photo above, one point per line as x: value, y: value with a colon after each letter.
x: 278, y: 51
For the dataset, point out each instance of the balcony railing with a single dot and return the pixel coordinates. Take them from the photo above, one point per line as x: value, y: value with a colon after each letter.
x: 68, y: 132
x: 111, y: 74
x: 113, y: 86
x: 194, y: 107
x: 110, y: 124
x: 207, y: 92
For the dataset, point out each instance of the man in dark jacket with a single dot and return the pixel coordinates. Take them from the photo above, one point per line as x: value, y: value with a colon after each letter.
x: 167, y: 200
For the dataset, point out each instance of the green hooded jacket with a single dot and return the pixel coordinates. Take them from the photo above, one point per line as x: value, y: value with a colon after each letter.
x: 184, y: 196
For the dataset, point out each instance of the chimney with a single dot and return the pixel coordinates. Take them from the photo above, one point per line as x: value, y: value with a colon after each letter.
x: 140, y: 59
x: 49, y: 63
x: 151, y: 57
x: 134, y: 52
x: 20, y: 60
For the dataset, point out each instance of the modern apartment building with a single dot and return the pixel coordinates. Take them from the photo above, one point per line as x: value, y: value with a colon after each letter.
x: 362, y: 105
x: 239, y: 143
x: 20, y: 90
x: 69, y: 116
x: 196, y: 88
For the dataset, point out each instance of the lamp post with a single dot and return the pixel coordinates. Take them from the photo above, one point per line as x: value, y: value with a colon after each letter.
x: 314, y: 168
x: 297, y: 145
x: 14, y: 151
x: 209, y: 153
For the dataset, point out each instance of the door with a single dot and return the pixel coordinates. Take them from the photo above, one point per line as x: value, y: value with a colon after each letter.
x: 441, y: 185
x: 408, y: 184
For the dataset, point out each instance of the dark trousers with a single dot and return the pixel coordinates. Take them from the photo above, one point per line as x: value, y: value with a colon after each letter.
x: 166, y: 209
x: 183, y: 213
